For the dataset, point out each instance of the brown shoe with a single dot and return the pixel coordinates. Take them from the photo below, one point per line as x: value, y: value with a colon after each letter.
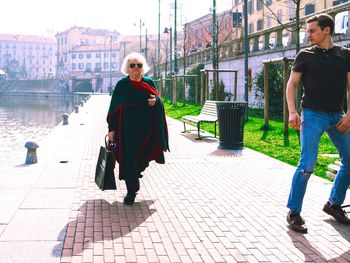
x: 337, y: 212
x: 296, y: 223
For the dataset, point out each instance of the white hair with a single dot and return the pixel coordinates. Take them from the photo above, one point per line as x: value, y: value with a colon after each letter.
x: 126, y: 63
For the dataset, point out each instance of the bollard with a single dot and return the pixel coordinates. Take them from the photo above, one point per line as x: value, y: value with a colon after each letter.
x: 82, y: 103
x: 65, y: 118
x: 31, y: 157
x: 85, y: 100
x: 76, y: 109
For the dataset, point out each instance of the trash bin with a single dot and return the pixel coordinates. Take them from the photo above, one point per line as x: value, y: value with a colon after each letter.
x: 231, y: 123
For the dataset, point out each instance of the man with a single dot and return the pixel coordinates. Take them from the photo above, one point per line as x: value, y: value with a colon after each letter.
x: 324, y: 70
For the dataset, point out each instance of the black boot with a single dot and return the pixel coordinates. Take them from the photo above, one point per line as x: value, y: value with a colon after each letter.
x: 129, y: 199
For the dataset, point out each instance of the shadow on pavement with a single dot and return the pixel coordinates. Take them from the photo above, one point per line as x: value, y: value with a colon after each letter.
x: 98, y: 220
x: 204, y: 139
x: 312, y: 254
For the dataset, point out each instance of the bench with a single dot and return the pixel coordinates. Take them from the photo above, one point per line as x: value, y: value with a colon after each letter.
x: 333, y: 169
x: 208, y: 114
x: 332, y: 173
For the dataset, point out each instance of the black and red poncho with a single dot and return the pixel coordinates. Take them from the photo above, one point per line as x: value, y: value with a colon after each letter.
x: 140, y: 130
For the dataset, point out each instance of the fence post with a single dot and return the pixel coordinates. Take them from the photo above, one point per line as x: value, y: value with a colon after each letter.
x: 184, y: 92
x: 174, y: 90
x: 266, y: 96
x: 285, y: 106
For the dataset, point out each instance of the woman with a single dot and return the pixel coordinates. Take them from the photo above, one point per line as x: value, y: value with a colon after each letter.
x: 136, y: 121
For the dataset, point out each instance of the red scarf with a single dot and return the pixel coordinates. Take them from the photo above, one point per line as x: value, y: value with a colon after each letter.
x: 143, y: 86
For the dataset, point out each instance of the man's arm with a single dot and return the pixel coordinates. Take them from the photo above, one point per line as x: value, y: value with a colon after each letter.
x: 344, y: 124
x: 292, y: 85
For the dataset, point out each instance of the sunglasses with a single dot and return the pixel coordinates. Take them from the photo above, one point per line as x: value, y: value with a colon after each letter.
x: 139, y: 65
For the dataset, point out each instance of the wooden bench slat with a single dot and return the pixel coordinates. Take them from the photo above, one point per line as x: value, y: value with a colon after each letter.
x: 333, y: 167
x: 208, y: 114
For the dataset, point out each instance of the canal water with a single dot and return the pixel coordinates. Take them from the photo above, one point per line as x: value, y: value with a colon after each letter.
x: 24, y: 119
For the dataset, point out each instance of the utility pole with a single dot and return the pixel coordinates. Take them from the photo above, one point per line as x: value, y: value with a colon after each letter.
x: 146, y: 46
x: 110, y: 63
x: 184, y: 55
x: 158, y: 72
x: 175, y: 38
x: 246, y: 50
x: 170, y: 30
x: 171, y: 64
x: 141, y: 24
x: 215, y: 50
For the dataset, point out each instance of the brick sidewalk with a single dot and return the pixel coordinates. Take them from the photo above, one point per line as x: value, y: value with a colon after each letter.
x: 203, y: 205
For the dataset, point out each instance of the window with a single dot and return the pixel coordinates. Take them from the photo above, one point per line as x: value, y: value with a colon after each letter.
x: 251, y: 28
x: 97, y: 66
x: 279, y: 15
x: 114, y: 55
x: 74, y: 56
x: 268, y: 2
x: 250, y: 7
x: 105, y: 55
x: 88, y: 66
x: 74, y: 66
x: 98, y: 55
x: 88, y: 55
x: 81, y: 56
x: 105, y: 65
x: 309, y: 9
x: 259, y: 25
x: 259, y: 5
x: 268, y: 22
x: 236, y: 19
x: 338, y: 2
x: 81, y: 65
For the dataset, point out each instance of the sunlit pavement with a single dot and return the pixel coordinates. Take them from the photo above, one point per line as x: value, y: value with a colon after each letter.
x: 203, y: 205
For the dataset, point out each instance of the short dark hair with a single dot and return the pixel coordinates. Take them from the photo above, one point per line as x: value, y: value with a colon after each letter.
x: 323, y: 21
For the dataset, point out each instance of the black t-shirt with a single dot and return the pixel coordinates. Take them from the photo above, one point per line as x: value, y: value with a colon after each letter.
x: 323, y: 76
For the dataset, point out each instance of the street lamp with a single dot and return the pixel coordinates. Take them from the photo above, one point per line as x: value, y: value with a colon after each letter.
x: 167, y: 31
x: 141, y: 25
x: 110, y: 65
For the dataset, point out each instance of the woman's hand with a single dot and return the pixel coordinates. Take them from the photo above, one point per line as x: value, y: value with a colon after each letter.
x: 152, y: 101
x: 111, y: 136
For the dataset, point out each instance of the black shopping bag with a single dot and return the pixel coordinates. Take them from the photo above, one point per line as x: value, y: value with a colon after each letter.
x: 104, y: 176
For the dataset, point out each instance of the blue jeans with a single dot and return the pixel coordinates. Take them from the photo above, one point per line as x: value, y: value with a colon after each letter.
x: 313, y: 125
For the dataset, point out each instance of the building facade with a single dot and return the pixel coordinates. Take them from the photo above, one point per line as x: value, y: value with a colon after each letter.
x: 27, y: 57
x: 262, y: 15
x: 88, y: 59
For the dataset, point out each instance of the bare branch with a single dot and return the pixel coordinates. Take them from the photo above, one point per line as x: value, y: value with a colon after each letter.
x: 279, y: 21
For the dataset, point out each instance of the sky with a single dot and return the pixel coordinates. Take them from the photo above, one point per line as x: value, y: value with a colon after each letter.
x: 47, y: 17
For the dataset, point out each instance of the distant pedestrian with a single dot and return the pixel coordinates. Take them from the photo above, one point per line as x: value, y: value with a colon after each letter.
x: 136, y: 121
x: 324, y: 69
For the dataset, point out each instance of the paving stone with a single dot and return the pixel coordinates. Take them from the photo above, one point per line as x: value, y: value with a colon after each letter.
x: 204, y: 205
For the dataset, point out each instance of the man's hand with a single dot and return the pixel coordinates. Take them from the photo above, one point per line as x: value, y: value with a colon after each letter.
x: 294, y: 121
x: 344, y: 124
x: 152, y: 101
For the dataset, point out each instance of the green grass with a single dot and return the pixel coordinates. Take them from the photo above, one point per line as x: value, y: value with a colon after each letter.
x: 271, y: 142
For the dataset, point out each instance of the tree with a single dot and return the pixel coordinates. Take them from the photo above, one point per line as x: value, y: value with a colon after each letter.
x: 297, y: 26
x: 212, y: 32
x: 195, y: 70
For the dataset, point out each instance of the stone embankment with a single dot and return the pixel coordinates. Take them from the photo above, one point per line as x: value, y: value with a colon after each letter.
x: 47, y: 87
